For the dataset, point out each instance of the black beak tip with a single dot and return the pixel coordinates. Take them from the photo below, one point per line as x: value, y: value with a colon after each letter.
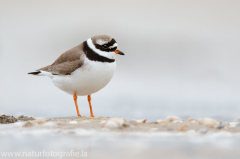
x: 121, y: 53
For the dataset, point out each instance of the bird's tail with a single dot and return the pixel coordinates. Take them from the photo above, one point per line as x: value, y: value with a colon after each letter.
x: 41, y: 73
x: 35, y: 73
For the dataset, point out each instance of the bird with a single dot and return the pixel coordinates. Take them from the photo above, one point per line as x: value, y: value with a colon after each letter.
x: 85, y: 69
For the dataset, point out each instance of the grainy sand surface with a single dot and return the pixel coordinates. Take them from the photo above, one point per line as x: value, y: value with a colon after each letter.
x: 117, y: 138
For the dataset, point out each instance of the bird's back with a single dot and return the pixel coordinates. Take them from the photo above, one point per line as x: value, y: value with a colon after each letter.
x: 67, y: 62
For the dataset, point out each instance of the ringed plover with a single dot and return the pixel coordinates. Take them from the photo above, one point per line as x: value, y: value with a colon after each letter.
x: 84, y: 69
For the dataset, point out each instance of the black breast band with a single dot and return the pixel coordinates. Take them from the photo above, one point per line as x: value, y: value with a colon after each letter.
x: 91, y: 55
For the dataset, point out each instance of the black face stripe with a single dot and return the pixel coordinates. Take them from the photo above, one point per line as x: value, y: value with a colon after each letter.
x: 100, y: 47
x: 107, y: 49
x: 91, y: 55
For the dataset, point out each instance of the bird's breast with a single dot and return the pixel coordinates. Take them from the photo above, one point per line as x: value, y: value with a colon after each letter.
x: 88, y: 79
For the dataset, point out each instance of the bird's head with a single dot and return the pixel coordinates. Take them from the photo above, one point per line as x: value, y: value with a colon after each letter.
x: 104, y: 45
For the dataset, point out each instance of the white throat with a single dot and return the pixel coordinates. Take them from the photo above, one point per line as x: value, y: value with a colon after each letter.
x: 110, y: 55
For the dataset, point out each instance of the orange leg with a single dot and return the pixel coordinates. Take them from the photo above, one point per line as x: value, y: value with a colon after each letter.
x: 90, y: 105
x: 75, y: 100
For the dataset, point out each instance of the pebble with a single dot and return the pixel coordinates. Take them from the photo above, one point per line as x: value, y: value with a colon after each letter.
x: 161, y: 121
x: 31, y: 118
x: 193, y: 121
x: 25, y: 118
x: 21, y: 116
x: 181, y: 128
x: 142, y: 121
x: 208, y: 122
x: 203, y: 130
x: 132, y: 121
x: 40, y: 121
x: 5, y: 119
x: 29, y: 124
x: 172, y: 118
x: 125, y: 124
x: 113, y: 123
x: 73, y: 122
x: 220, y: 126
x: 49, y: 124
x: 3, y: 116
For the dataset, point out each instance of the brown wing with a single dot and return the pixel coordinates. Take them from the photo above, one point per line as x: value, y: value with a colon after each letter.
x: 67, y: 62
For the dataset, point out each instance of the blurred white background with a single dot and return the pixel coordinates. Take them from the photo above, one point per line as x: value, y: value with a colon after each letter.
x: 181, y: 57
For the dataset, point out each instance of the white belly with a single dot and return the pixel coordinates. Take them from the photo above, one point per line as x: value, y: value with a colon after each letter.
x: 86, y: 80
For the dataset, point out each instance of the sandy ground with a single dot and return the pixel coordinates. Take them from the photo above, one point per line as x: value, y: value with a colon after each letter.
x: 118, y: 138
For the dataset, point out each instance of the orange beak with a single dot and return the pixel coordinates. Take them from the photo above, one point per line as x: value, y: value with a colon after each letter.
x: 119, y: 52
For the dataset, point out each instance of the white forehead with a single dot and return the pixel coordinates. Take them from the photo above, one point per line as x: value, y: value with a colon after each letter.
x: 101, y: 42
x: 115, y: 45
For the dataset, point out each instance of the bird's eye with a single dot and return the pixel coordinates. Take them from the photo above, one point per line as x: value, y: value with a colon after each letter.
x: 105, y: 45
